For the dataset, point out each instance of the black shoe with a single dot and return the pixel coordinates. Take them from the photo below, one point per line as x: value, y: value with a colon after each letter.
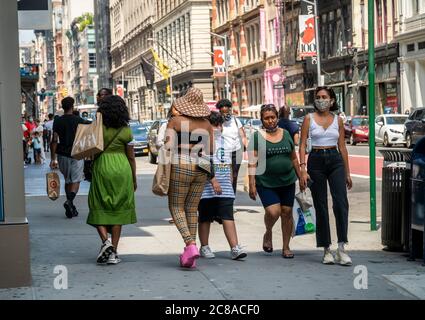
x: 74, y: 211
x: 68, y: 209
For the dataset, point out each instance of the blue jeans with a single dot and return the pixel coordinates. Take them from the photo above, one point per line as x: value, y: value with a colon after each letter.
x: 323, y: 167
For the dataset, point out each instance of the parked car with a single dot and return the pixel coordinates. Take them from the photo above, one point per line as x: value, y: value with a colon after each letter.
x: 244, y: 120
x: 389, y: 129
x: 299, y: 112
x: 153, y: 143
x: 414, y: 127
x: 357, y: 130
x: 148, y: 123
x: 140, y: 140
x: 251, y: 126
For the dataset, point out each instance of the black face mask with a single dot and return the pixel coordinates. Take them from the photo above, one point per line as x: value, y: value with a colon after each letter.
x: 227, y: 117
x: 271, y: 129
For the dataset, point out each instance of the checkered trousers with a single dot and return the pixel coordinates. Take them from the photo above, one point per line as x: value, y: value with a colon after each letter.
x: 186, y: 186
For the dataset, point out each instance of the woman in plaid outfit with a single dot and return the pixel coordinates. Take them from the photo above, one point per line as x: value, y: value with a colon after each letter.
x: 189, y: 135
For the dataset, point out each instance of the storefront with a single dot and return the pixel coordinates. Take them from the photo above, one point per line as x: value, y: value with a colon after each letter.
x: 273, y: 87
x: 294, y: 90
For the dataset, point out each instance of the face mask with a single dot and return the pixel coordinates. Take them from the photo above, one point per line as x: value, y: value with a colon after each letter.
x: 227, y: 117
x: 323, y: 105
x: 30, y: 119
x: 271, y: 129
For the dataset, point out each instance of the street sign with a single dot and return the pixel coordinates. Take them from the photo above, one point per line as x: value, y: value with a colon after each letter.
x: 278, y: 86
x: 35, y: 14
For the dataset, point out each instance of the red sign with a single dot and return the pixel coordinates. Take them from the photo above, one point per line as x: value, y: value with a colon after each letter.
x: 120, y: 90
x: 219, y: 62
x: 308, y: 46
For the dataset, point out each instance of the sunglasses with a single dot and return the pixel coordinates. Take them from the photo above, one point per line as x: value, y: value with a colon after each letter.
x: 268, y: 106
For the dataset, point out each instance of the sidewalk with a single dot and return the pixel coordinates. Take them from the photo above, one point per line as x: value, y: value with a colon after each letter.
x: 150, y: 250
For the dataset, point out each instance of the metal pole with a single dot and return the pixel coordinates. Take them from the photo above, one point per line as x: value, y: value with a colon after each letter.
x: 226, y: 59
x: 316, y: 28
x: 371, y: 68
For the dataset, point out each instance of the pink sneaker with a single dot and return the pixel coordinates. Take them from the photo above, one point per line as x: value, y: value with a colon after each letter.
x: 189, y: 255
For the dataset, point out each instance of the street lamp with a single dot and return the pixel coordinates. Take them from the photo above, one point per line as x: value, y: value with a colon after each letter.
x: 226, y: 62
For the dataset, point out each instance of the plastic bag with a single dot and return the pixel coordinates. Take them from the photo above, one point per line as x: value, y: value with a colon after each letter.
x: 304, y: 221
x: 304, y: 201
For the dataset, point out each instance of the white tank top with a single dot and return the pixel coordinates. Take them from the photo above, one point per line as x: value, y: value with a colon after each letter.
x: 321, y: 137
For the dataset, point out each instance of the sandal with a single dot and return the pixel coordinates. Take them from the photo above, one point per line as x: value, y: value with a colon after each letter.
x: 287, y: 255
x: 267, y: 244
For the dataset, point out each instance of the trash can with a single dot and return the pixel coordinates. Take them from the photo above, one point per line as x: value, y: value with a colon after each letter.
x: 417, y: 239
x: 395, y: 224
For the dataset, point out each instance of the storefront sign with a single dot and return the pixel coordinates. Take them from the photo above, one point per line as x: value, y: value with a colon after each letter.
x: 219, y: 62
x: 35, y: 14
x: 391, y: 96
x: 294, y: 99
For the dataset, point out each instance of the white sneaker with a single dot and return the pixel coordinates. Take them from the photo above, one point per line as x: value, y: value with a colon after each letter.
x: 105, y: 251
x: 238, y: 253
x: 113, y: 258
x: 328, y: 258
x: 206, y: 252
x: 343, y: 258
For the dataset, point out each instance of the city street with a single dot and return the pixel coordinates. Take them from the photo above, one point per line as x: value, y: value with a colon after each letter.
x: 150, y: 249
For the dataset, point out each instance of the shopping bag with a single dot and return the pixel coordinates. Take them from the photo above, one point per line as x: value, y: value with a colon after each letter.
x: 304, y: 221
x: 304, y: 201
x: 88, y: 139
x: 161, y: 180
x: 53, y: 185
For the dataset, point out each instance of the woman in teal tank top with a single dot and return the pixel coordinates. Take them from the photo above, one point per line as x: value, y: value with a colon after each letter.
x: 273, y: 172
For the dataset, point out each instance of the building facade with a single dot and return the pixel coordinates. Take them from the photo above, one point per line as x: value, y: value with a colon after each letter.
x: 103, y: 42
x: 73, y: 73
x: 412, y: 53
x: 387, y: 81
x: 253, y: 29
x: 182, y: 39
x: 61, y: 91
x: 131, y: 24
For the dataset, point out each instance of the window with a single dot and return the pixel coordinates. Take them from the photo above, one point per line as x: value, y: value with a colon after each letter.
x: 418, y: 114
x: 411, y: 47
x: 421, y: 45
x: 92, y: 60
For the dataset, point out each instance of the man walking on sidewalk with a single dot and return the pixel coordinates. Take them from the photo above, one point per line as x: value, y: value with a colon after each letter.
x: 64, y: 130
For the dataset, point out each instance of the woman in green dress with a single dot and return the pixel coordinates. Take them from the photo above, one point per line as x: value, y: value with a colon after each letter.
x: 111, y: 196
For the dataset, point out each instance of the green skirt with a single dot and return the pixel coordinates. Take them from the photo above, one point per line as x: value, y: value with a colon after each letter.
x: 111, y: 195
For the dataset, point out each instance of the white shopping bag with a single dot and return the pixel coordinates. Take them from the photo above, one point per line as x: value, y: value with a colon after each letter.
x: 304, y: 221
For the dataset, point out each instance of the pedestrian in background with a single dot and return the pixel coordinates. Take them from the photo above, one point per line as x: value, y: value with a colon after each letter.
x: 48, y: 127
x: 234, y: 137
x: 289, y: 125
x: 327, y: 162
x: 111, y: 196
x: 218, y: 197
x: 273, y: 171
x: 36, y: 145
x: 102, y: 94
x: 189, y: 135
x: 64, y: 130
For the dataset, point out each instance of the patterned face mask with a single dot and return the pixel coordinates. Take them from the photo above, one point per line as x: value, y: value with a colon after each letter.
x: 323, y: 104
x: 271, y: 129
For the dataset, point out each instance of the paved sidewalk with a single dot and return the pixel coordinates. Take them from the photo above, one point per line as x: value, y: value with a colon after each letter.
x: 150, y: 250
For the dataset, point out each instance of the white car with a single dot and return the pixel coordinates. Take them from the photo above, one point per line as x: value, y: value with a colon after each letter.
x: 389, y: 129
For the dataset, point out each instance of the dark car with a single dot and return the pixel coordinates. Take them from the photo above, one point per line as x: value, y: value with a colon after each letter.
x: 414, y: 128
x: 357, y: 130
x: 153, y: 143
x: 298, y: 113
x: 140, y: 139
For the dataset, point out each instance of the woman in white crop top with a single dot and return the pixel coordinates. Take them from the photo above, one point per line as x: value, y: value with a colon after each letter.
x: 327, y: 163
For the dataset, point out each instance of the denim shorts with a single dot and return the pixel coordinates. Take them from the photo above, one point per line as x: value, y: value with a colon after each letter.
x: 281, y: 195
